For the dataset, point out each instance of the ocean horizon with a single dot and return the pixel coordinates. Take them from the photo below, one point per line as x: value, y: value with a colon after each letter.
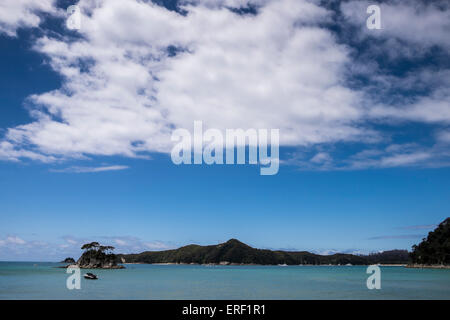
x: 45, y: 281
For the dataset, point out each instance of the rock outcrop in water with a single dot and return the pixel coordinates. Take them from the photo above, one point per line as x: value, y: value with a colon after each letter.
x: 96, y: 256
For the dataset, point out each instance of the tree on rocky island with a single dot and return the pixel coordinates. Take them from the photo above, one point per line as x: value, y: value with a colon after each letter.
x: 98, y: 256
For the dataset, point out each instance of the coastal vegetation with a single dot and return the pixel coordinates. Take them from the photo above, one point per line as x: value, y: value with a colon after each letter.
x: 236, y: 252
x: 435, y: 248
x: 96, y: 256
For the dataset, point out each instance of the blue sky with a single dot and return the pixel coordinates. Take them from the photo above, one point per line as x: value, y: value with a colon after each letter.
x: 86, y: 118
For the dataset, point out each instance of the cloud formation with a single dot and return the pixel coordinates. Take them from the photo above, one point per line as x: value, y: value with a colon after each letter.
x: 12, y: 240
x: 23, y: 14
x: 232, y: 71
x: 139, y: 70
x: 16, y: 248
x: 424, y: 24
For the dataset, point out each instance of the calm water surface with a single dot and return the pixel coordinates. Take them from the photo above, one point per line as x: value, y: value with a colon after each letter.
x: 28, y: 280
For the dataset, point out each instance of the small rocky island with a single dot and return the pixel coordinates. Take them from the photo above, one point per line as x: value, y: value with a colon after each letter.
x: 68, y: 260
x: 96, y: 256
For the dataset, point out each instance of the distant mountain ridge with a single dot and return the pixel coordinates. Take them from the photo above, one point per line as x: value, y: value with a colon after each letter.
x: 235, y: 252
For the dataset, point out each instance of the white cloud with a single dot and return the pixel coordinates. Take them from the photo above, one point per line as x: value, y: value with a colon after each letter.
x: 157, y: 245
x: 233, y: 71
x: 404, y: 159
x: 434, y: 108
x: 92, y: 169
x: 130, y: 244
x: 123, y: 92
x: 15, y: 14
x: 17, y: 249
x: 120, y: 242
x: 410, y: 29
x: 71, y: 241
x: 327, y: 252
x: 420, y: 227
x: 247, y: 73
x: 15, y: 240
x: 422, y: 23
x: 388, y: 156
x: 321, y: 157
x: 226, y: 3
x: 12, y: 240
x: 10, y: 152
x: 444, y: 136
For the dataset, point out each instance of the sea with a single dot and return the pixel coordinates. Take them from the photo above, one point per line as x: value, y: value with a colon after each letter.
x: 43, y: 281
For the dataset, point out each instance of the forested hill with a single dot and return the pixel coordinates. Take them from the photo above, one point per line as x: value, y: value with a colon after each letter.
x: 236, y: 252
x: 435, y: 249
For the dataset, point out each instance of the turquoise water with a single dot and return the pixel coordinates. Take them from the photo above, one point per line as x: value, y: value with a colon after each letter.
x: 39, y: 280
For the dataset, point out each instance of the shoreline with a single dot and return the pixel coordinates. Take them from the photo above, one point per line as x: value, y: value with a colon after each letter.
x: 121, y: 265
x: 254, y: 264
x: 427, y: 266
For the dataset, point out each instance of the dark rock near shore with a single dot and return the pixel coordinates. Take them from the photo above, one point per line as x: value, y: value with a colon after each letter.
x: 68, y: 260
